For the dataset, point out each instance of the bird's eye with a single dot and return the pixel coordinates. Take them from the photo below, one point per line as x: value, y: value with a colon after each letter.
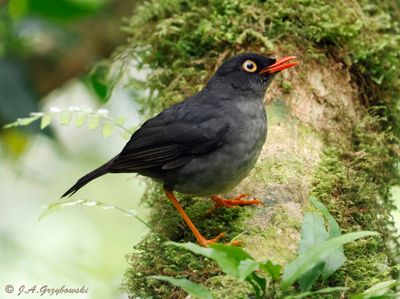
x: 249, y: 66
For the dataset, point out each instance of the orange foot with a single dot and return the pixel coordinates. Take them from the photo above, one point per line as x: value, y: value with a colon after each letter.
x: 221, y: 202
x: 205, y: 242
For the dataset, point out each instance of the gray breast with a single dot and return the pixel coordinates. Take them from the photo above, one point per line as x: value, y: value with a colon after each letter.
x: 224, y: 168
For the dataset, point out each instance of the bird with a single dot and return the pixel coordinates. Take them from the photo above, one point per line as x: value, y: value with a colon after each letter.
x: 209, y: 142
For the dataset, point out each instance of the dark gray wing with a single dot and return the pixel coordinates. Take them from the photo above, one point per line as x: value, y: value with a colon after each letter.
x: 170, y: 140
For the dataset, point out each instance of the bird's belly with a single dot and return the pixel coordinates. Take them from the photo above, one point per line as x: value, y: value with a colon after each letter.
x: 223, y: 169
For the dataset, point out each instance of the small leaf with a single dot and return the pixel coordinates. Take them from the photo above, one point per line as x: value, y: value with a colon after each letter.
x: 45, y: 121
x: 100, y: 82
x: 22, y: 121
x: 309, y: 259
x: 378, y: 290
x: 10, y: 125
x: 80, y: 120
x: 233, y: 261
x: 125, y: 134
x: 38, y: 114
x: 193, y: 289
x: 228, y: 258
x: 313, y: 232
x: 307, y: 280
x: 246, y: 267
x: 57, y: 205
x: 333, y: 226
x: 93, y: 122
x: 322, y: 291
x: 120, y: 120
x: 65, y: 118
x: 107, y: 129
x: 258, y: 283
x: 336, y: 259
x: 333, y: 262
x: 48, y: 209
x: 27, y: 121
x: 274, y: 270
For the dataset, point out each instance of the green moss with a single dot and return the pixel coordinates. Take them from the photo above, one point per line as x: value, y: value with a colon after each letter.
x: 276, y: 171
x: 366, y: 265
x: 273, y: 239
x: 182, y: 41
x: 224, y: 286
x: 353, y: 180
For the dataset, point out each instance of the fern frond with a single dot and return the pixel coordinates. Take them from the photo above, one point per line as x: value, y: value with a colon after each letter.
x: 79, y: 117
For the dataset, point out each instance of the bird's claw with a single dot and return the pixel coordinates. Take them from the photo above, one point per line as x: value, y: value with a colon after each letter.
x: 204, y: 242
x: 233, y: 202
x: 236, y: 243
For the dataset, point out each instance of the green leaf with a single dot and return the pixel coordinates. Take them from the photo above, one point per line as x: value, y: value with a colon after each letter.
x: 258, y: 283
x: 232, y: 260
x: 120, y: 120
x: 322, y: 291
x: 107, y: 129
x: 80, y: 120
x: 100, y: 82
x: 309, y: 259
x: 247, y: 267
x: 228, y: 258
x: 63, y: 10
x: 274, y: 270
x: 17, y: 8
x: 52, y: 207
x: 125, y: 134
x: 307, y: 280
x: 65, y: 118
x: 313, y: 232
x: 93, y: 122
x: 193, y: 289
x: 45, y: 121
x: 379, y: 290
x: 23, y: 121
x: 333, y: 226
x: 335, y: 260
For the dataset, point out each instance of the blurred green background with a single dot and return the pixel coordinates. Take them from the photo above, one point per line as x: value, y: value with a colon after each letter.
x: 48, y: 51
x: 52, y: 55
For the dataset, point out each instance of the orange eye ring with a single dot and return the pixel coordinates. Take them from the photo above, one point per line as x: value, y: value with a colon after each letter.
x: 249, y: 66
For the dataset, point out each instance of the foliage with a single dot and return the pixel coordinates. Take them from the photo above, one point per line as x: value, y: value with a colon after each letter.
x: 55, y: 206
x: 381, y: 290
x: 193, y: 289
x: 79, y: 117
x: 61, y: 10
x: 320, y: 252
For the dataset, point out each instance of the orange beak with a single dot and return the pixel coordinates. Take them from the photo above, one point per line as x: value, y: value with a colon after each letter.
x: 280, y: 65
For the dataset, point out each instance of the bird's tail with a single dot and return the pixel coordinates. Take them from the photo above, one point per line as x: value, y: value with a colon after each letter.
x: 88, y: 178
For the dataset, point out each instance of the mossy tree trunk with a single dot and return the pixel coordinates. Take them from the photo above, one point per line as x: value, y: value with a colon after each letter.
x: 332, y: 133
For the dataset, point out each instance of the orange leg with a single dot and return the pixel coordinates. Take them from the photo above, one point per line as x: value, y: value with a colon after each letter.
x: 221, y: 202
x: 200, y: 239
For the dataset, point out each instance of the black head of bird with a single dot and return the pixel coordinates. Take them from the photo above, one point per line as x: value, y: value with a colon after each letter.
x: 249, y: 73
x: 206, y: 144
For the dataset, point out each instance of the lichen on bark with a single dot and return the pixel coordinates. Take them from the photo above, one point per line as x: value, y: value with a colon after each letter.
x: 333, y: 130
